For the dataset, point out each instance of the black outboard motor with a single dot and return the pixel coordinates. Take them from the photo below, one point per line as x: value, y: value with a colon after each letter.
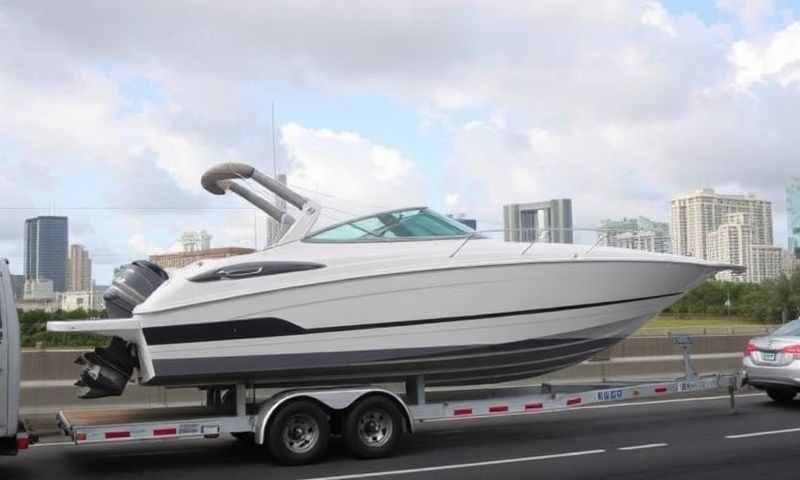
x: 107, y: 370
x: 132, y: 287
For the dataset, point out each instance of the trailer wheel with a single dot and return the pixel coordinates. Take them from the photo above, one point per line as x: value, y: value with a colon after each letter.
x: 373, y: 427
x: 299, y: 433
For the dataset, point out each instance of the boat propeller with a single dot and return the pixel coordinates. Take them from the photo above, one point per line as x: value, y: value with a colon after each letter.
x: 106, y: 370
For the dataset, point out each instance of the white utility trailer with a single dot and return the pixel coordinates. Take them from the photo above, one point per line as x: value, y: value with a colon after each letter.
x: 296, y: 425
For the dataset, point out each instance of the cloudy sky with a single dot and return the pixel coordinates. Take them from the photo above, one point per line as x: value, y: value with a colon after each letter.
x: 111, y: 111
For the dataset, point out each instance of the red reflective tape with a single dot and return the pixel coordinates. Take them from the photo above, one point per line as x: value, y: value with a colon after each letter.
x: 661, y: 389
x: 533, y: 406
x: 462, y: 411
x: 574, y: 401
x: 165, y: 431
x: 110, y: 435
x: 498, y: 409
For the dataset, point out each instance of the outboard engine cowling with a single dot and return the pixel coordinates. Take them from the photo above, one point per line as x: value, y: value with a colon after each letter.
x: 132, y: 287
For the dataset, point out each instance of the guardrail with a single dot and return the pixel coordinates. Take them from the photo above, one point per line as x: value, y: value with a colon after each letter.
x: 752, y: 330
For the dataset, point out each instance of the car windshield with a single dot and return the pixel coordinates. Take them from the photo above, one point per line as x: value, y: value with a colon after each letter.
x: 791, y: 329
x: 398, y: 224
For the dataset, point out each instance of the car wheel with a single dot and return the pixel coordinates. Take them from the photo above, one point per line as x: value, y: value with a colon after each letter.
x: 781, y: 395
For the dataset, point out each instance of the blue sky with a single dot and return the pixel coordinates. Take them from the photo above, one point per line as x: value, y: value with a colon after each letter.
x: 619, y: 105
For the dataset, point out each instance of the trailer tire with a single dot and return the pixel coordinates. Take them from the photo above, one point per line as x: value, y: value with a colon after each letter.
x: 373, y: 427
x: 299, y: 433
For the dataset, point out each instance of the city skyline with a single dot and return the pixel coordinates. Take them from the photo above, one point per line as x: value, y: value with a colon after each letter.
x: 649, y: 233
x: 116, y: 138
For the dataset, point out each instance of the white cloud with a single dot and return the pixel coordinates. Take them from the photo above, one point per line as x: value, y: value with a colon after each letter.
x: 773, y: 57
x: 348, y: 171
x: 657, y: 17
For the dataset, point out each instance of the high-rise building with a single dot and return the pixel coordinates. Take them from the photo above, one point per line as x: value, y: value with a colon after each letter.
x: 766, y: 262
x: 46, y: 250
x: 791, y: 262
x: 79, y: 269
x: 697, y: 214
x: 549, y: 221
x: 730, y: 243
x: 637, y: 233
x: 793, y: 215
x: 733, y: 243
x: 195, y: 241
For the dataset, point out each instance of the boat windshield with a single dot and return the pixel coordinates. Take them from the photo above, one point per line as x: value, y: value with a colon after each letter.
x: 395, y: 225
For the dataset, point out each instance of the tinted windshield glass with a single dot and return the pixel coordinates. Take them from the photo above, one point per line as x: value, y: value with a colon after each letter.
x: 791, y: 329
x: 415, y: 222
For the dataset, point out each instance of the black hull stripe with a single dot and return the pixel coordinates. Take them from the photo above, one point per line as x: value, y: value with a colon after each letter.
x: 354, y: 366
x: 277, y: 327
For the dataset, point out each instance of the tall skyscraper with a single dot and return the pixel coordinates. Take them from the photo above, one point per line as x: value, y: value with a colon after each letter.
x: 79, y: 269
x: 637, y: 233
x: 733, y: 243
x: 549, y: 221
x: 46, y: 250
x: 793, y: 215
x: 697, y: 214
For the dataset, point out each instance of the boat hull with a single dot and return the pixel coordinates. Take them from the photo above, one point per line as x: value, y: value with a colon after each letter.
x: 502, y: 323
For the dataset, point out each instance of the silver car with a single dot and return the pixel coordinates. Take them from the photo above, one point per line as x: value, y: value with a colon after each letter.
x: 772, y: 363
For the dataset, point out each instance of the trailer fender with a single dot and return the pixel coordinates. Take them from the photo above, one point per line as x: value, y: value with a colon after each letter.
x: 334, y: 399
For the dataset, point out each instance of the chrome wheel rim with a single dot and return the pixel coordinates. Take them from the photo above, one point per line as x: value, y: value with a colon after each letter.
x: 375, y: 427
x: 301, y: 433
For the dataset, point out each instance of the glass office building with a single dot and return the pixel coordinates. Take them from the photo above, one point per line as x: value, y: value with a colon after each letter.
x: 46, y: 250
x: 793, y: 215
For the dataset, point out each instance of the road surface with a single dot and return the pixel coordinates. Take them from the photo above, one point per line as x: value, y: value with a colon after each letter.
x: 673, y: 439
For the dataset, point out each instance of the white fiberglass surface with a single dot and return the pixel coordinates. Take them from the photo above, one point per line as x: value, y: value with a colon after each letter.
x: 345, y: 261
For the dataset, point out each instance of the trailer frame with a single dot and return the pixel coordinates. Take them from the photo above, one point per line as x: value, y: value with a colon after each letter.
x: 228, y: 411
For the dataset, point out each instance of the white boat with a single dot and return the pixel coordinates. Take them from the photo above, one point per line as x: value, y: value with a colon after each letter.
x: 386, y: 297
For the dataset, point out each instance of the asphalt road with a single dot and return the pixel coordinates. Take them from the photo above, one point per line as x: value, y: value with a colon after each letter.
x: 680, y: 438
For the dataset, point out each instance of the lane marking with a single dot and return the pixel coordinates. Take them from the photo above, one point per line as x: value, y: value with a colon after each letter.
x: 459, y: 466
x: 642, y: 447
x: 761, y: 434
